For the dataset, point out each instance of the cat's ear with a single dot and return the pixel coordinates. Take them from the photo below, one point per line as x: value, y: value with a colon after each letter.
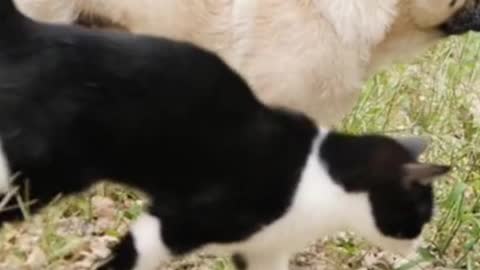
x: 423, y: 173
x: 416, y: 145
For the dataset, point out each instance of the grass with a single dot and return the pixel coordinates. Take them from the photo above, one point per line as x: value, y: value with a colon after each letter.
x: 438, y: 96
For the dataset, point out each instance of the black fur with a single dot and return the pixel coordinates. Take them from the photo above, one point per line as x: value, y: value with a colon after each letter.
x: 467, y: 19
x: 373, y: 164
x: 239, y: 262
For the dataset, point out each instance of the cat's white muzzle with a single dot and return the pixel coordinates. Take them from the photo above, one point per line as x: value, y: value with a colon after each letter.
x: 401, y: 247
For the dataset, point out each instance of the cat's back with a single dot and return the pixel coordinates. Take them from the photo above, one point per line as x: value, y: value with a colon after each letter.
x: 67, y: 87
x: 84, y: 68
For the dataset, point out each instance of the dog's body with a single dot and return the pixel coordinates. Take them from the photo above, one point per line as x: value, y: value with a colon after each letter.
x: 308, y: 55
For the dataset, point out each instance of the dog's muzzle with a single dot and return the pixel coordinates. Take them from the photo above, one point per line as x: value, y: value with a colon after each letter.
x: 466, y: 19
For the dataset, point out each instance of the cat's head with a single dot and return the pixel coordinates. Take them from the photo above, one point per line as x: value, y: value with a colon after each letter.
x: 389, y: 193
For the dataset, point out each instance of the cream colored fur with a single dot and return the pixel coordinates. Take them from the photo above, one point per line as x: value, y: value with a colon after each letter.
x: 307, y: 55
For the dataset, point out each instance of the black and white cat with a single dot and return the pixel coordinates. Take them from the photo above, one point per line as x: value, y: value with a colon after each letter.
x: 225, y: 173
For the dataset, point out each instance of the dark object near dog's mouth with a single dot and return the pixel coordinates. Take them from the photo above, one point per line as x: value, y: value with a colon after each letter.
x: 90, y: 20
x: 467, y: 19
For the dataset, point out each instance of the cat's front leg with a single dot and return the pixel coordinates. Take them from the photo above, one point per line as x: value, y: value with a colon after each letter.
x: 261, y: 261
x: 142, y: 248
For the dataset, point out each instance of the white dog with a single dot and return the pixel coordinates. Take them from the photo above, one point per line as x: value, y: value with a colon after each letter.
x: 307, y: 55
